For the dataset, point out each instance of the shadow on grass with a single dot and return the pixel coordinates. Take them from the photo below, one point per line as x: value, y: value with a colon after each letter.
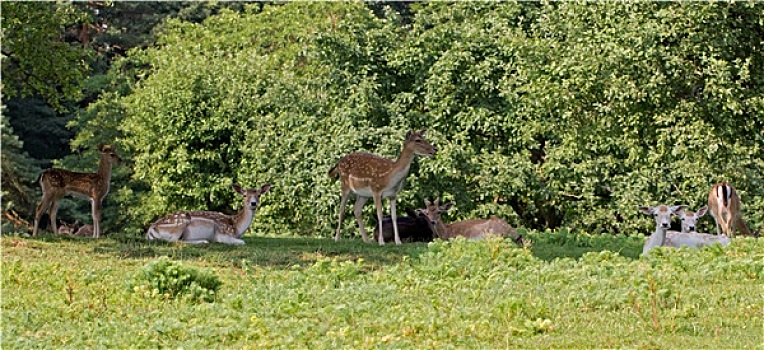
x: 285, y: 252
x: 264, y: 251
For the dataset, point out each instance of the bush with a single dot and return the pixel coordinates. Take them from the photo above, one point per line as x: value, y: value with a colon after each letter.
x: 169, y: 279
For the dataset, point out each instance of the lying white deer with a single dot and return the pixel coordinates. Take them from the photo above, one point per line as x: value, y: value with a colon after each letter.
x: 201, y: 227
x: 471, y: 229
x: 665, y: 238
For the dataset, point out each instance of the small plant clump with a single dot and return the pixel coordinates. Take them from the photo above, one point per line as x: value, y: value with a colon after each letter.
x: 169, y: 279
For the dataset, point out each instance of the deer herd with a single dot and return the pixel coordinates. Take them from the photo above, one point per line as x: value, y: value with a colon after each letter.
x: 366, y: 176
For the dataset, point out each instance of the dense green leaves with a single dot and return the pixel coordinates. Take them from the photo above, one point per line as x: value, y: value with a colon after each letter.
x: 556, y: 114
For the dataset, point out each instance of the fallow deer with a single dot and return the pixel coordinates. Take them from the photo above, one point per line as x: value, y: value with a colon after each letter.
x: 201, y: 227
x: 68, y: 229
x: 724, y: 206
x: 662, y: 237
x: 471, y: 229
x: 56, y: 183
x: 84, y: 231
x: 367, y: 175
x: 690, y: 219
x: 412, y: 228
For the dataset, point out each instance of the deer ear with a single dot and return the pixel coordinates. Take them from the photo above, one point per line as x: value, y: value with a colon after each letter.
x: 646, y: 210
x: 447, y: 206
x: 421, y: 133
x: 678, y: 209
x: 420, y: 212
x: 427, y: 202
x: 702, y: 211
x: 265, y: 188
x: 408, y: 135
x: 236, y: 187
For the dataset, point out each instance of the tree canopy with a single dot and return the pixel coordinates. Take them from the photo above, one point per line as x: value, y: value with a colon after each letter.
x: 547, y: 114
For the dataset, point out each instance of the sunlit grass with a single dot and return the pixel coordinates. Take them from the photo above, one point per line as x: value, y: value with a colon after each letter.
x: 563, y: 291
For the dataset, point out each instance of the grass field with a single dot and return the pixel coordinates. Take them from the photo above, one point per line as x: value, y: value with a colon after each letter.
x: 564, y: 291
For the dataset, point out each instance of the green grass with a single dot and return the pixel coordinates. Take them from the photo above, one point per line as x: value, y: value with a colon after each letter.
x: 564, y: 291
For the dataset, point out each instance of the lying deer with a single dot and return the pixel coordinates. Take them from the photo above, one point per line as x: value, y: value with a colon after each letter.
x: 201, y: 227
x: 75, y: 229
x: 412, y: 228
x: 472, y: 229
x: 56, y: 183
x: 724, y: 204
x: 367, y: 175
x: 662, y: 237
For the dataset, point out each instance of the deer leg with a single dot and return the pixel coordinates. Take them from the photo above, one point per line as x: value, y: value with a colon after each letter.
x: 378, y: 205
x: 96, y: 205
x: 357, y: 211
x: 41, y: 208
x: 52, y: 213
x: 395, y: 221
x: 343, y: 201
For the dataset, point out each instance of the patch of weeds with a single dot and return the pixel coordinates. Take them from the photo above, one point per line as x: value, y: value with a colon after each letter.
x: 169, y: 279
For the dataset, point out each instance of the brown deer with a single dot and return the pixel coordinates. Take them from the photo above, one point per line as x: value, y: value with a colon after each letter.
x: 201, y: 227
x: 56, y: 183
x: 724, y: 206
x: 367, y: 175
x: 471, y: 229
x: 68, y: 229
x: 75, y: 229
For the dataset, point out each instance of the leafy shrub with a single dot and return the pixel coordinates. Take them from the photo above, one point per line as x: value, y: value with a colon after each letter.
x: 169, y: 279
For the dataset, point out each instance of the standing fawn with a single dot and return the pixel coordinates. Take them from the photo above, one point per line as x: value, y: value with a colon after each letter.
x: 662, y: 237
x: 367, y: 175
x: 201, y: 227
x: 724, y: 205
x: 56, y: 183
x: 472, y: 229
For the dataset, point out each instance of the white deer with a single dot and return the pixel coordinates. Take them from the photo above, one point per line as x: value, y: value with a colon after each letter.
x: 662, y: 237
x: 724, y: 205
x: 368, y: 175
x: 201, y: 227
x: 56, y: 183
x: 471, y: 229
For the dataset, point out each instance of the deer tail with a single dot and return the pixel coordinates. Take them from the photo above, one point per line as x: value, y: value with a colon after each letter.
x: 333, y: 171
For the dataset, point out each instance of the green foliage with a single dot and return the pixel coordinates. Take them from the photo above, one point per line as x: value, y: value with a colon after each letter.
x: 35, y: 59
x: 547, y: 114
x: 167, y: 279
x: 17, y: 168
x: 315, y: 293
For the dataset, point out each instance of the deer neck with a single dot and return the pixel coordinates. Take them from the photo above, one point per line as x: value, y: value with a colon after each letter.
x: 242, y: 220
x: 402, y: 165
x: 441, y: 230
x: 104, y: 172
x: 658, y: 239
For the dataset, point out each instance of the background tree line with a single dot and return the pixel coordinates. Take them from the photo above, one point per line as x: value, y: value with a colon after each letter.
x: 547, y: 114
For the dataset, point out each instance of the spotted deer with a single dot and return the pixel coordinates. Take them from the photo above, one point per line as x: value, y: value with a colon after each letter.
x: 56, y: 183
x: 724, y: 206
x: 201, y: 227
x: 471, y: 229
x: 663, y: 237
x: 367, y: 175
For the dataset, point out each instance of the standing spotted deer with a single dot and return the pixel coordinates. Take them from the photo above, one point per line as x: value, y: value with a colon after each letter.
x: 724, y: 205
x: 471, y: 229
x: 367, y: 175
x: 662, y: 237
x: 201, y: 227
x: 56, y: 183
